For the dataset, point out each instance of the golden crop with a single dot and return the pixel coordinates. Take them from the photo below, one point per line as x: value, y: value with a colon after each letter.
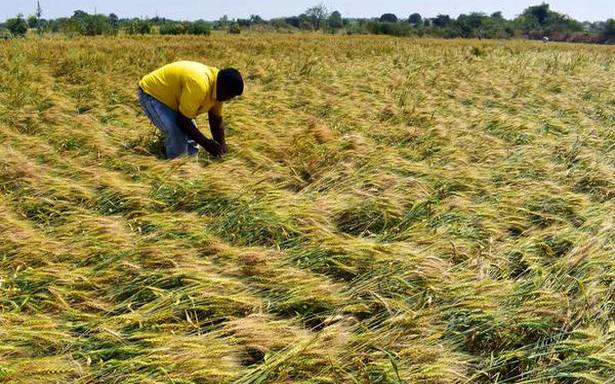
x: 391, y: 211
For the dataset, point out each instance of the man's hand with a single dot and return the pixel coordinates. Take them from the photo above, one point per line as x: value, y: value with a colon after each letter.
x: 213, y: 148
x: 193, y: 133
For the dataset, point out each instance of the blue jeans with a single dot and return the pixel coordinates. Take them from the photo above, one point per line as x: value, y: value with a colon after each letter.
x: 176, y: 143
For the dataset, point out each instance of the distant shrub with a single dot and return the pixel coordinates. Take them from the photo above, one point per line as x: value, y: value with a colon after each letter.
x: 173, y: 29
x: 18, y: 26
x: 234, y: 29
x: 356, y: 28
x: 306, y: 26
x: 139, y: 27
x: 386, y: 28
x: 280, y: 24
x: 5, y: 34
x: 94, y: 25
x: 199, y: 28
x: 69, y: 27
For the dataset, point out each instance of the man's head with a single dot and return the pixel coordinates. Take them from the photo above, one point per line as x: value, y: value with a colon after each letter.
x: 229, y: 84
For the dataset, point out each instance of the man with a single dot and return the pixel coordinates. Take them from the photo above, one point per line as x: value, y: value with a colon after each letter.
x: 175, y: 94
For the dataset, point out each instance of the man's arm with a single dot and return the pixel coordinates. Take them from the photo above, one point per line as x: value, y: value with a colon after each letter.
x: 193, y: 133
x: 216, y: 125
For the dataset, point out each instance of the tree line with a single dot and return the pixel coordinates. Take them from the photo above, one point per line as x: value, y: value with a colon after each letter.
x: 535, y: 22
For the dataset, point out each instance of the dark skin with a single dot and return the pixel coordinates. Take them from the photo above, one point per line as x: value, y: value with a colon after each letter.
x: 217, y: 146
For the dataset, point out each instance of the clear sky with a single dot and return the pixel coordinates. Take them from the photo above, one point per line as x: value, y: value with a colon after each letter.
x: 592, y: 10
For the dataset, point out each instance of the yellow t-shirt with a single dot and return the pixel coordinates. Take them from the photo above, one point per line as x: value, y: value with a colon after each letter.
x: 184, y: 86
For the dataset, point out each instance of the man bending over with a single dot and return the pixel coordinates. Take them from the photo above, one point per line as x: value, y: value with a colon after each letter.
x: 175, y: 94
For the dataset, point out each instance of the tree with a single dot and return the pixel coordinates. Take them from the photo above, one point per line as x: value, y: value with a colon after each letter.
x: 114, y: 20
x: 222, y: 23
x: 173, y: 28
x: 388, y: 18
x: 279, y: 23
x: 335, y: 21
x: 140, y: 27
x: 497, y: 15
x: 256, y: 19
x: 234, y: 29
x: 538, y: 21
x: 82, y: 23
x: 293, y: 21
x: 79, y: 14
x: 472, y: 25
x: 558, y: 23
x: 244, y: 22
x: 253, y: 20
x: 317, y: 15
x: 199, y: 27
x: 415, y: 19
x: 17, y: 26
x: 608, y: 33
x: 441, y: 20
x: 538, y: 12
x: 388, y: 28
x: 5, y: 34
x: 32, y: 21
x: 97, y: 25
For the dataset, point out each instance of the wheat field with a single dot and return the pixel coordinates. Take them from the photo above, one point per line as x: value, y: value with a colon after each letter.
x: 390, y: 211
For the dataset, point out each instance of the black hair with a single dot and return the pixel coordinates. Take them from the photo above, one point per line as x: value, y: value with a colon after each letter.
x: 229, y: 79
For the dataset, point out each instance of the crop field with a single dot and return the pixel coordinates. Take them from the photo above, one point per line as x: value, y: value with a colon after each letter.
x: 390, y: 211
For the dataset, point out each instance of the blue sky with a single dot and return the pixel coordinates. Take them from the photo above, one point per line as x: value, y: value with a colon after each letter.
x: 591, y: 10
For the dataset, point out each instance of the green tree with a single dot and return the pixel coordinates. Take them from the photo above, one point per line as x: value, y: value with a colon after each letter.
x: 388, y: 28
x: 538, y: 12
x: 317, y: 15
x: 94, y: 25
x: 496, y: 27
x: 388, y: 18
x: 234, y: 29
x: 114, y: 20
x: 5, y: 34
x: 279, y: 24
x: 18, y: 26
x: 222, y: 23
x: 471, y: 25
x: 83, y: 23
x: 79, y: 14
x: 497, y: 15
x: 335, y: 21
x: 441, y: 20
x: 415, y: 19
x: 608, y: 33
x: 32, y: 21
x: 140, y: 27
x: 256, y: 20
x: 173, y: 28
x: 537, y: 21
x: 199, y: 27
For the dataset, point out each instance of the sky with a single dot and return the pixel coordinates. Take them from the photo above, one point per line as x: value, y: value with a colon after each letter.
x: 590, y: 10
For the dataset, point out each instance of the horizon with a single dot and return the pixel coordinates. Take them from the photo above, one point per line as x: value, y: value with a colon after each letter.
x: 235, y: 9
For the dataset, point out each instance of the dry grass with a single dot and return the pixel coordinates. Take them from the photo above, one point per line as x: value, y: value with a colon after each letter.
x: 391, y: 211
